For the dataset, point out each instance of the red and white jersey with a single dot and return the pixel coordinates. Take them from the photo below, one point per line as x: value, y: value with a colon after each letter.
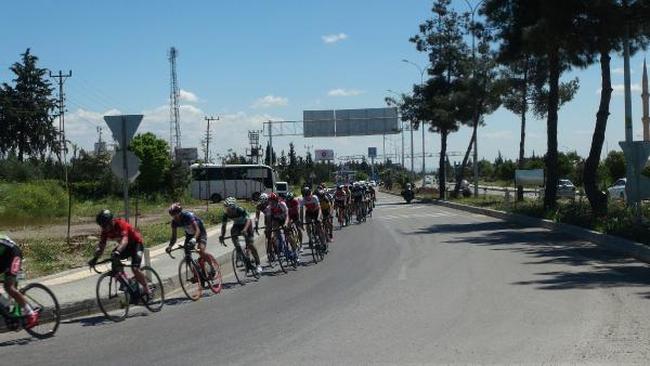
x: 310, y: 203
x: 278, y: 211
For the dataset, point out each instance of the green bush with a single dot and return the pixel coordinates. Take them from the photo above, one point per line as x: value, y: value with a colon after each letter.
x: 43, y: 199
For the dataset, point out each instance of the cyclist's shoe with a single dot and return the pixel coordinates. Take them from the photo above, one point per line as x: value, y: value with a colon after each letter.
x: 212, y: 273
x: 192, y: 279
x: 31, y: 320
x: 259, y: 269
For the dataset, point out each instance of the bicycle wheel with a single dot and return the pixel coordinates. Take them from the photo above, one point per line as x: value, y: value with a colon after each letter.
x: 312, y: 246
x: 212, y: 269
x: 112, y: 301
x: 155, y: 300
x: 279, y: 249
x: 239, y: 266
x: 190, y: 280
x: 42, y: 300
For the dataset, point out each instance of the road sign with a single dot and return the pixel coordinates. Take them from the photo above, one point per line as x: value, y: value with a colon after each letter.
x: 372, y: 152
x: 123, y: 126
x: 124, y: 164
x: 132, y: 165
x: 323, y: 155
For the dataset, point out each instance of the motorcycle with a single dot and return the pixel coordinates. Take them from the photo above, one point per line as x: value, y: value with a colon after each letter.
x: 408, y: 195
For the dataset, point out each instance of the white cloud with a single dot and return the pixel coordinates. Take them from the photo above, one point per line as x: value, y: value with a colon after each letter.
x: 188, y: 96
x: 270, y: 101
x: 333, y: 38
x: 343, y: 92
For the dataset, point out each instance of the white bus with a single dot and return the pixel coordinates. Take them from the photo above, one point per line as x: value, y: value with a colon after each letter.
x: 216, y: 182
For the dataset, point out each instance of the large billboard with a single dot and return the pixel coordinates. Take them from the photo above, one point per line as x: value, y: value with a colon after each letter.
x: 323, y: 155
x: 350, y: 122
x: 369, y: 121
x: 318, y: 123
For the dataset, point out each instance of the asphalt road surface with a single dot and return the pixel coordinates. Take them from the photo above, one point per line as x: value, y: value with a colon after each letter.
x: 415, y: 284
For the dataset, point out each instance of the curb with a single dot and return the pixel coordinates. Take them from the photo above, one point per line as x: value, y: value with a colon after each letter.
x: 613, y: 243
x: 616, y: 244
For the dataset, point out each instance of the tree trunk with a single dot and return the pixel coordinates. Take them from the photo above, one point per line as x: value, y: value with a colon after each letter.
x: 442, y: 176
x: 522, y: 139
x: 550, y: 191
x: 598, y: 199
x: 461, y: 173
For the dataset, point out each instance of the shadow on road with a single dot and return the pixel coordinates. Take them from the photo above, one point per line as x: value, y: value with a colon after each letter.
x: 18, y: 342
x: 590, y: 266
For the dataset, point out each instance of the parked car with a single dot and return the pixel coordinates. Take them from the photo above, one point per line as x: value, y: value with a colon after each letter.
x: 281, y: 188
x: 617, y: 190
x: 565, y: 188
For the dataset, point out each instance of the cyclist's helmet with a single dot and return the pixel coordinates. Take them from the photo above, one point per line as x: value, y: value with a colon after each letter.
x: 230, y: 202
x: 408, y: 185
x: 264, y: 197
x: 306, y: 191
x: 273, y: 197
x: 289, y: 196
x: 104, y: 217
x: 175, y: 208
x: 320, y: 192
x: 339, y: 188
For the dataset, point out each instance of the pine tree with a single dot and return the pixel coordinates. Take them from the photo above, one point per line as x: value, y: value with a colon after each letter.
x: 28, y: 111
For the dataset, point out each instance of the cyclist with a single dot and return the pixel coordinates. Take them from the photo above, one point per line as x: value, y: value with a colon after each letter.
x: 278, y: 212
x: 194, y: 230
x: 293, y: 205
x: 10, y: 261
x: 373, y: 195
x: 357, y: 198
x: 261, y: 206
x: 310, y: 211
x: 129, y: 245
x: 325, y: 208
x: 348, y: 203
x: 340, y: 201
x: 242, y: 225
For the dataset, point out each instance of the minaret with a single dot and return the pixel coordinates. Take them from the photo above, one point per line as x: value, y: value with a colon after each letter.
x: 644, y: 96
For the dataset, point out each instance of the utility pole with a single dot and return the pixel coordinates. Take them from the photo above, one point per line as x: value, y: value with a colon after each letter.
x: 208, y: 137
x: 63, y: 147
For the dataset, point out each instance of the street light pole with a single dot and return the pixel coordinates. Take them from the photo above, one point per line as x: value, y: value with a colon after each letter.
x: 403, y: 165
x: 421, y: 70
x: 475, y: 158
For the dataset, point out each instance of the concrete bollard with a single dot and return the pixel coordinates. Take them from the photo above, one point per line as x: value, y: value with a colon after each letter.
x: 147, y: 262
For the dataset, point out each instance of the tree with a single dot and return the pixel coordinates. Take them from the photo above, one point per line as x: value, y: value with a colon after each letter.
x: 607, y: 23
x: 441, y: 101
x: 292, y: 167
x: 484, y: 87
x: 154, y: 161
x: 615, y: 165
x: 544, y: 29
x: 27, y: 111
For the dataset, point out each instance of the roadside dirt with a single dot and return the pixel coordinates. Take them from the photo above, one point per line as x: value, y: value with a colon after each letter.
x: 78, y: 229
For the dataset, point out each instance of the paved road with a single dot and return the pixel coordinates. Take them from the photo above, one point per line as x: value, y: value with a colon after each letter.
x: 415, y: 284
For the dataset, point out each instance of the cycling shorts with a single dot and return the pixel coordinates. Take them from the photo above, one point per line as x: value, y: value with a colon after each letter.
x: 134, y: 252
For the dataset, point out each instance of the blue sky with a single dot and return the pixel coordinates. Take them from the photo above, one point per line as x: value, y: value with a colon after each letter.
x: 249, y: 61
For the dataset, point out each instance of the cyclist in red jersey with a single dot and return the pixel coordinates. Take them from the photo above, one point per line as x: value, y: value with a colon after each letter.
x: 129, y: 244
